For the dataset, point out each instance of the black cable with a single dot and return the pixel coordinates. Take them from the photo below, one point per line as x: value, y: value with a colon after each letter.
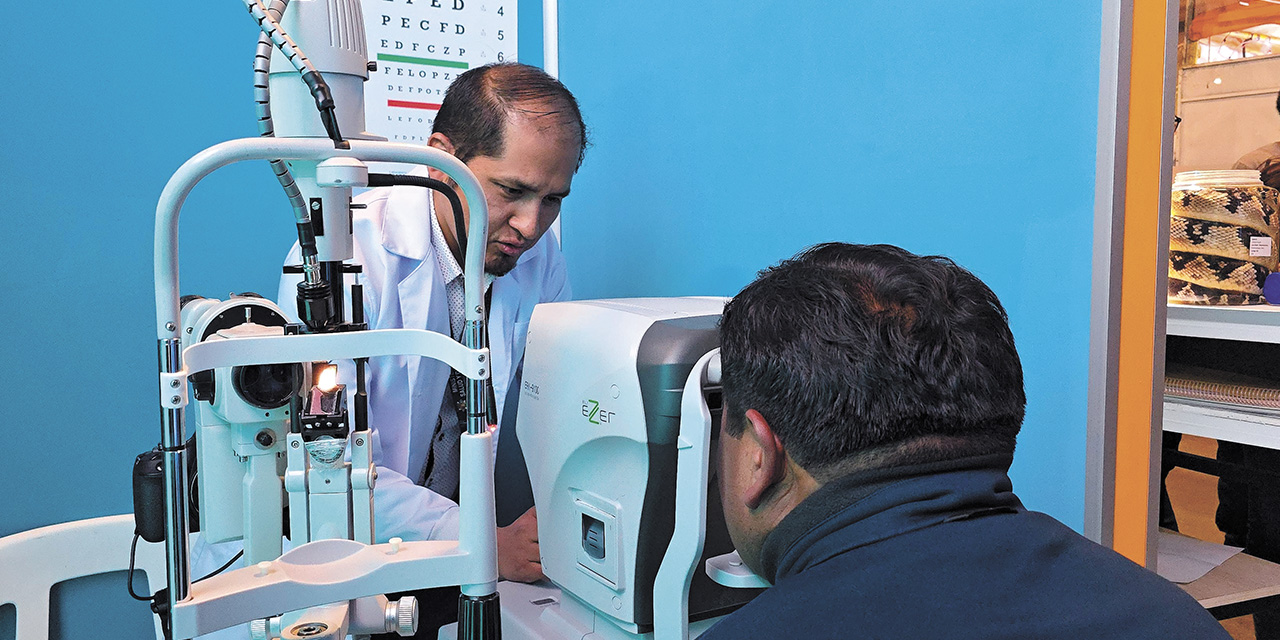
x: 324, y: 104
x: 460, y: 225
x: 222, y: 568
x: 133, y: 551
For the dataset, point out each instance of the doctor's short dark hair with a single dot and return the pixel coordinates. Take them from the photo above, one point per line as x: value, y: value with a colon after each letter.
x: 861, y: 356
x: 480, y: 101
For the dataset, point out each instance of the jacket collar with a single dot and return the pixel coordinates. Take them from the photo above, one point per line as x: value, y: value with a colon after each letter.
x: 870, y: 506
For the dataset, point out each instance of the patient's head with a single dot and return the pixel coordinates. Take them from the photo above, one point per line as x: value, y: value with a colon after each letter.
x: 853, y: 357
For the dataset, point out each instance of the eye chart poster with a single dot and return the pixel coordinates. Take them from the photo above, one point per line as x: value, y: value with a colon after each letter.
x: 420, y: 46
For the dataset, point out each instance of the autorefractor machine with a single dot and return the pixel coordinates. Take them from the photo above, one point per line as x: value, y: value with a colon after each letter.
x: 619, y: 402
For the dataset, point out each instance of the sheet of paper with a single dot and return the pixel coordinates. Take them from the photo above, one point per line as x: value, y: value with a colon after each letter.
x: 1182, y: 559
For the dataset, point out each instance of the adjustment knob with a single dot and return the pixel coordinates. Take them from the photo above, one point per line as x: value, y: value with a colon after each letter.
x: 402, y: 616
x: 258, y: 629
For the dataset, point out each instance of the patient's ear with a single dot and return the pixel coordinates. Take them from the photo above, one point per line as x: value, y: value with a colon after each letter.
x: 752, y: 466
x: 767, y: 456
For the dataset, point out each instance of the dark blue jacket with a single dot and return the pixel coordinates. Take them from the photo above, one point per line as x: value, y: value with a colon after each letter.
x: 946, y: 550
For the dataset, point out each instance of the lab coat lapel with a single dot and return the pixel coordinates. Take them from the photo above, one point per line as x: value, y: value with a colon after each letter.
x: 505, y: 308
x: 423, y: 305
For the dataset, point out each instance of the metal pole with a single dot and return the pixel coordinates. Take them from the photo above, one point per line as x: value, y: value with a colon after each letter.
x: 551, y: 37
x: 172, y: 439
x: 477, y: 392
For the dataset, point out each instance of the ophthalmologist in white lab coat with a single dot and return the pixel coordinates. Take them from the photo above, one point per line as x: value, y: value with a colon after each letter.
x: 522, y: 135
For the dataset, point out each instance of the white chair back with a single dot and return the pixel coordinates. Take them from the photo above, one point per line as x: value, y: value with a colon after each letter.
x: 32, y: 562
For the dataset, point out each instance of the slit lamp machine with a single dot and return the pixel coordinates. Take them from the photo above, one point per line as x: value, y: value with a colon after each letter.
x: 273, y: 426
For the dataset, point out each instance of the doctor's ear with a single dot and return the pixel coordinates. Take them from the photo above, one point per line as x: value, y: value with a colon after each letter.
x: 441, y: 141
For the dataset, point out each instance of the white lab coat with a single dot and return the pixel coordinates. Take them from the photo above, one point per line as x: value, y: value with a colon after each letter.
x: 403, y: 288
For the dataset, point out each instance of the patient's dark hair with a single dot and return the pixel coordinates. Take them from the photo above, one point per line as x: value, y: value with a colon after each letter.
x: 479, y: 102
x: 868, y: 355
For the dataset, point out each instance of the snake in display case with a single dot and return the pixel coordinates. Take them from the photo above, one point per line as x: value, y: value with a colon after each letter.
x: 1215, y: 238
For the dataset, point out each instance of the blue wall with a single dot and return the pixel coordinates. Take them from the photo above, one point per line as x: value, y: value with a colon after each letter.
x: 85, y: 156
x: 97, y: 115
x: 729, y: 135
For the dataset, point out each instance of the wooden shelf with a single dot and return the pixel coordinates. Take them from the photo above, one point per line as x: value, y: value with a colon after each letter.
x: 1240, y: 586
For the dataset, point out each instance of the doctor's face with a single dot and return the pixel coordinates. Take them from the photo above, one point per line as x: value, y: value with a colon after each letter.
x: 523, y: 187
